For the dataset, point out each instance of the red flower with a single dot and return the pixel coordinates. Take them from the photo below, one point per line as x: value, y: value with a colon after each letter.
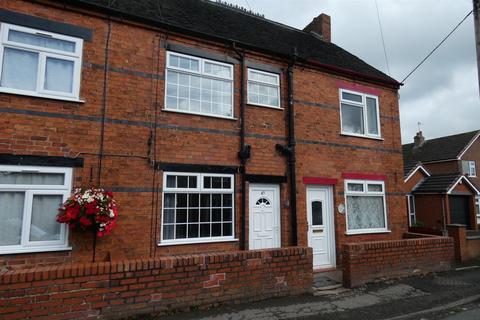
x: 91, y: 208
x: 109, y: 194
x: 72, y: 212
x: 85, y: 222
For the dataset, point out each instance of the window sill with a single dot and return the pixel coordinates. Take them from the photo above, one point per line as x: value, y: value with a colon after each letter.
x: 361, y: 136
x: 180, y: 242
x: 200, y: 114
x: 264, y: 106
x: 353, y: 233
x: 39, y: 95
x: 18, y: 250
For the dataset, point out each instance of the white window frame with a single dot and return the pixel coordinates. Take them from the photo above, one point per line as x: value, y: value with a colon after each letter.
x: 27, y: 246
x: 199, y: 189
x: 277, y: 86
x: 472, y: 170
x: 362, y: 105
x: 44, y: 53
x: 201, y: 73
x: 477, y: 206
x: 411, y: 211
x: 366, y: 193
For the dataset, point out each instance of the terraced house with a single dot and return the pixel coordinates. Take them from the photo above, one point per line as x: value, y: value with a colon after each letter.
x: 216, y: 129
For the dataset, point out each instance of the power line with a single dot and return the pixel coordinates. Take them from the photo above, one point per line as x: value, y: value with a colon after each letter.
x: 383, y: 40
x: 437, y: 46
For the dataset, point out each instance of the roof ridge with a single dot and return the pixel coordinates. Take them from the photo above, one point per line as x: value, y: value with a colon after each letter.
x: 444, y: 137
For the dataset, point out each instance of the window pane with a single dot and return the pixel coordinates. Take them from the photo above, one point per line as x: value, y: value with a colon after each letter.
x: 352, y: 119
x: 365, y: 212
x: 181, y: 216
x: 351, y: 97
x: 181, y: 231
x: 7, y: 177
x: 372, y: 116
x: 169, y: 216
x: 227, y: 229
x: 59, y: 75
x: 375, y: 188
x: 171, y: 181
x: 182, y: 182
x: 217, y: 70
x: 44, y: 226
x: 411, y: 204
x: 169, y: 201
x: 11, y: 215
x: 19, y: 69
x: 184, y: 63
x: 41, y: 41
x: 355, y: 187
x: 168, y: 232
x: 317, y: 213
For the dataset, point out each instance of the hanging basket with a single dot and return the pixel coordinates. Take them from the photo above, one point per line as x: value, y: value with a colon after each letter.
x: 88, y: 209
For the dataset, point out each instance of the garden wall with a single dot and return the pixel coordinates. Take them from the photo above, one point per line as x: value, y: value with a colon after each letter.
x: 166, y: 284
x: 368, y: 261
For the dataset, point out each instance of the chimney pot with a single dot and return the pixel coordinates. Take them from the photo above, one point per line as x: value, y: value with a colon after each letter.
x: 320, y: 26
x: 418, y: 140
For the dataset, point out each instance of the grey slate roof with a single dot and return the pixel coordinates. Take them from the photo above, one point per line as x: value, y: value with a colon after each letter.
x: 437, y: 183
x: 212, y: 19
x: 443, y: 148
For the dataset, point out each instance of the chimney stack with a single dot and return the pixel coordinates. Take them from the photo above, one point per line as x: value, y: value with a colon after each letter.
x: 320, y: 26
x: 418, y: 140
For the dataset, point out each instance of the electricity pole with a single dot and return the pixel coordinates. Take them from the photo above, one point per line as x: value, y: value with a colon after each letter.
x: 476, y: 8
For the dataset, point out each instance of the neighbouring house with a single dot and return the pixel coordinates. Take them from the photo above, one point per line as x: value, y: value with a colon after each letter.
x: 441, y: 181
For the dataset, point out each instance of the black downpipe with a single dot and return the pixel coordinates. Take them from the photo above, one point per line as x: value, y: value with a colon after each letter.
x: 291, y: 154
x: 244, y: 152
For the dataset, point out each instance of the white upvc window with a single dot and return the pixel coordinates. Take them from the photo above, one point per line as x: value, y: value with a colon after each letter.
x: 412, y: 219
x: 39, y: 63
x: 199, y: 86
x: 472, y: 170
x: 359, y: 114
x: 366, y: 210
x: 197, y: 208
x: 263, y: 88
x: 29, y: 201
x: 477, y: 206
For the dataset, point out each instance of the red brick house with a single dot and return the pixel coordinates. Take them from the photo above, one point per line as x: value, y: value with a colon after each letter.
x: 441, y: 181
x: 216, y: 129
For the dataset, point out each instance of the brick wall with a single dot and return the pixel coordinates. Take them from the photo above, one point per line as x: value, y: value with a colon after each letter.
x: 369, y: 261
x: 166, y: 284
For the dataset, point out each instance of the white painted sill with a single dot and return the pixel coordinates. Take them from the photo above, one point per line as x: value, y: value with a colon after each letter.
x: 178, y: 243
x: 250, y: 104
x: 39, y: 95
x: 361, y: 136
x: 354, y: 233
x: 34, y: 249
x: 200, y: 114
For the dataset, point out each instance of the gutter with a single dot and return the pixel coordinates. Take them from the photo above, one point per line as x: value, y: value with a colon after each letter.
x: 208, y: 36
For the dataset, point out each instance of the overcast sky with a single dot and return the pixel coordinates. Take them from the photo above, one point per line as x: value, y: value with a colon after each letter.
x: 443, y: 94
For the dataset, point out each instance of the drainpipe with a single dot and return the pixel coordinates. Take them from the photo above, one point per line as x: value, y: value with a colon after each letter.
x: 444, y: 231
x: 244, y: 152
x: 289, y: 151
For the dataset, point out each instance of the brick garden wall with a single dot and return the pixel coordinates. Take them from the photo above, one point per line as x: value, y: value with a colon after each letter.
x: 368, y: 261
x: 177, y: 283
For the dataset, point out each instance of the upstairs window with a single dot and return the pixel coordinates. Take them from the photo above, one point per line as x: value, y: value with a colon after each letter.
x: 39, y: 63
x: 197, y: 208
x: 412, y: 219
x: 199, y: 86
x: 365, y: 206
x: 29, y: 202
x: 469, y: 168
x: 263, y: 88
x: 359, y: 114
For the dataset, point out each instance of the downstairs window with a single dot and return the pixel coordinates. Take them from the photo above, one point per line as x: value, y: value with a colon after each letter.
x: 197, y: 208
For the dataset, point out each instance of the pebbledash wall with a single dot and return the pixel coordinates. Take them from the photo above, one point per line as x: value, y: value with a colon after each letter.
x: 112, y: 290
x: 134, y: 100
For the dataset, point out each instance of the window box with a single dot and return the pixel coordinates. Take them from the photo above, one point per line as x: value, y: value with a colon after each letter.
x: 263, y: 89
x: 39, y: 63
x: 29, y: 201
x: 197, y: 208
x: 359, y: 114
x: 365, y: 204
x: 198, y: 86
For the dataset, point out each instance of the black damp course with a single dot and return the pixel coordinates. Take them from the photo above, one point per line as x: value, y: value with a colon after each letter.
x: 44, y: 161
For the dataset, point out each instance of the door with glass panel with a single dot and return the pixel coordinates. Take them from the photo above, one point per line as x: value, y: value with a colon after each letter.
x: 321, y: 232
x: 29, y: 202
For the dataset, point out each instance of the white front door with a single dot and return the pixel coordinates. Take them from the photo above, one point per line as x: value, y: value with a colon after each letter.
x: 321, y: 232
x: 264, y: 216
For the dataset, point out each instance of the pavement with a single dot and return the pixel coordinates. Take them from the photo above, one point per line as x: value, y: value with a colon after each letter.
x: 453, y: 295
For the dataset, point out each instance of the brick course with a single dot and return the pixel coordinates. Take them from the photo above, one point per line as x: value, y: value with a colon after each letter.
x: 160, y: 285
x: 368, y: 261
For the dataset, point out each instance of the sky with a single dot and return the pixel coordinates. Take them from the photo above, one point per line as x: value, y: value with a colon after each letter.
x: 443, y: 94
